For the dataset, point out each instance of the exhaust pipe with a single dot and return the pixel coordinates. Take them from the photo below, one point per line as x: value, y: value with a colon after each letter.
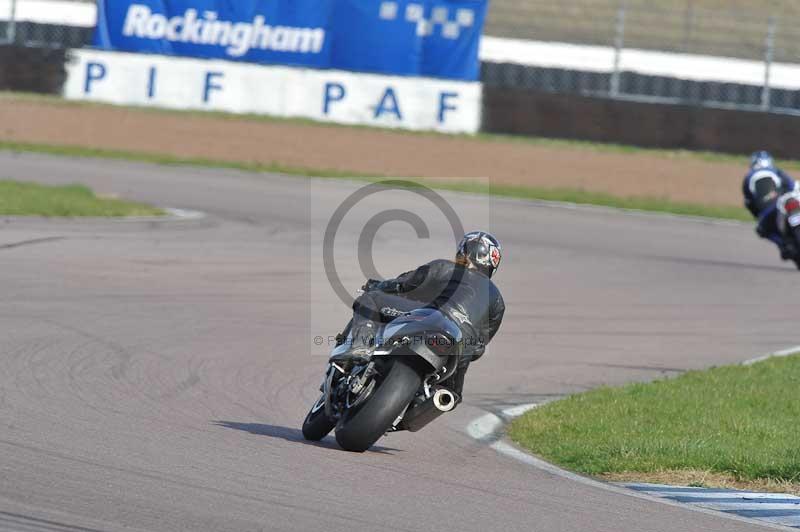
x: 442, y: 401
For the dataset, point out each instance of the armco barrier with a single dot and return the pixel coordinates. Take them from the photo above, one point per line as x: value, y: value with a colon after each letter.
x: 38, y: 70
x: 533, y: 113
x: 323, y: 95
x: 38, y: 35
x: 647, y: 88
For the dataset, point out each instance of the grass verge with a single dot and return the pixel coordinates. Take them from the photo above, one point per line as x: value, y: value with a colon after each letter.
x: 728, y: 426
x: 29, y: 199
x: 531, y: 193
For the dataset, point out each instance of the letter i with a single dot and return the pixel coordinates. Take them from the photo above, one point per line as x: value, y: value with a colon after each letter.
x: 151, y: 83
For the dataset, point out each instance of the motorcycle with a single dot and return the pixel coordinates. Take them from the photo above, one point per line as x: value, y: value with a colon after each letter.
x: 789, y: 224
x: 392, y: 382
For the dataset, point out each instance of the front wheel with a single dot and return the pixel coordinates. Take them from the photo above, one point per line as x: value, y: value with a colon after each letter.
x: 317, y: 425
x: 358, y: 430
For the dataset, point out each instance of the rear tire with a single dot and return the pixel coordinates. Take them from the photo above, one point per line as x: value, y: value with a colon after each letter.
x: 317, y: 425
x: 358, y: 431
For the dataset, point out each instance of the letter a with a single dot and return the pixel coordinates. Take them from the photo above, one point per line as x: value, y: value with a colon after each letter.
x: 388, y: 104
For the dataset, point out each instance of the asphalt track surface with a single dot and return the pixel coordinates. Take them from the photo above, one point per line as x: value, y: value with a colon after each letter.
x: 154, y: 375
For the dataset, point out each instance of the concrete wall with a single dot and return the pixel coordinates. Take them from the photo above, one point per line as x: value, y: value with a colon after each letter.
x: 526, y: 112
x: 40, y: 70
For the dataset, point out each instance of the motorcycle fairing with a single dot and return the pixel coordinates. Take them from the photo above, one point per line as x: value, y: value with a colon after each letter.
x: 412, y: 330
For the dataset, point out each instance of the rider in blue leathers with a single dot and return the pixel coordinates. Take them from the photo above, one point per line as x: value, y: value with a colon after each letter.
x: 762, y: 187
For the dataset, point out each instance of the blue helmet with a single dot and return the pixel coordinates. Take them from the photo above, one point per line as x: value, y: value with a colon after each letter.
x: 762, y: 160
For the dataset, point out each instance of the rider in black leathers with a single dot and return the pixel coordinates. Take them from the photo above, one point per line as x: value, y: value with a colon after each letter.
x: 462, y: 290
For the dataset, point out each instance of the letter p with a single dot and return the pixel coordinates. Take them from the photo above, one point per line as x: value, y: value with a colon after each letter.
x: 334, y: 92
x: 94, y: 72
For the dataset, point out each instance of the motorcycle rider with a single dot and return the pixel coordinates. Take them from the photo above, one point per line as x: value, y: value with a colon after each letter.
x: 461, y: 289
x: 762, y: 187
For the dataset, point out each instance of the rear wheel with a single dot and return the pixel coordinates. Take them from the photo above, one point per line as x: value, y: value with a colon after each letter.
x: 317, y: 425
x: 359, y: 429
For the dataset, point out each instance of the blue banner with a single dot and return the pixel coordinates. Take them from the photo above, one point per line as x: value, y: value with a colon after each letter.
x: 436, y: 38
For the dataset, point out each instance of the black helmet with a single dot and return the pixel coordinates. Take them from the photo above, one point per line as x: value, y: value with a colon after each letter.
x: 481, y: 251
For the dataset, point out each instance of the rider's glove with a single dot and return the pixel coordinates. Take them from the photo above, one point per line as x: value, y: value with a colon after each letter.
x: 371, y: 284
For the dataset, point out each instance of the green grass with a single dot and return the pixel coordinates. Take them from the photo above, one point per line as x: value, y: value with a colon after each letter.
x: 531, y: 193
x: 29, y: 199
x: 741, y: 421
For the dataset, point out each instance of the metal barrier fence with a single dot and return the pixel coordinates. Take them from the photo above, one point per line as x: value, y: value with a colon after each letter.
x: 764, y: 41
x: 641, y: 88
x: 33, y: 34
x: 727, y: 28
x: 53, y: 30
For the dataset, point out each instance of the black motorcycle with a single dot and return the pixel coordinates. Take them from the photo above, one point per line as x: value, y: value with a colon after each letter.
x: 387, y: 376
x: 789, y: 224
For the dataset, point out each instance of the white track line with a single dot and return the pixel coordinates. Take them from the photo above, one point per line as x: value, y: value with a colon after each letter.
x: 516, y: 411
x: 484, y: 427
x: 782, y: 353
x: 185, y: 214
x: 744, y: 495
x: 723, y: 506
x: 172, y: 215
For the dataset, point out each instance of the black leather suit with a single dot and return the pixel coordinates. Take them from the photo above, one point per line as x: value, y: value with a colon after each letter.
x: 467, y: 296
